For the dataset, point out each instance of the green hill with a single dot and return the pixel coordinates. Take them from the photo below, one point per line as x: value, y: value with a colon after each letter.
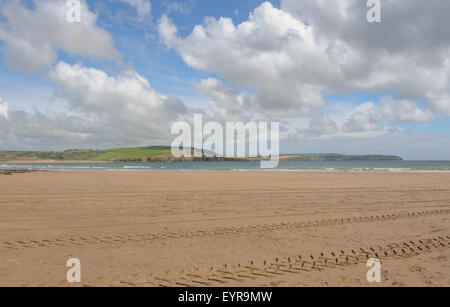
x: 119, y: 154
x: 161, y: 154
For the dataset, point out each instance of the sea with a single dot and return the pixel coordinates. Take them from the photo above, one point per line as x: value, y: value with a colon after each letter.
x: 284, y: 166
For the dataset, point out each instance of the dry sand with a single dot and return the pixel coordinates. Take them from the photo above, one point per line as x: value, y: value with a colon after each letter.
x: 224, y: 228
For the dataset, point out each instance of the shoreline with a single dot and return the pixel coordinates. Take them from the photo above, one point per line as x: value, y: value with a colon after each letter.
x: 62, y: 170
x: 60, y: 167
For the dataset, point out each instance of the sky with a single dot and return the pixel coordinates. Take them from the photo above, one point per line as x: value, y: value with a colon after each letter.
x: 131, y: 68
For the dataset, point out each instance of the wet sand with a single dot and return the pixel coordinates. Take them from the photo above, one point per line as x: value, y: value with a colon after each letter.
x: 224, y: 228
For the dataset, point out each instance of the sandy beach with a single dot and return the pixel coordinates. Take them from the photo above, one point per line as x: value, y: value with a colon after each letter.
x: 224, y: 228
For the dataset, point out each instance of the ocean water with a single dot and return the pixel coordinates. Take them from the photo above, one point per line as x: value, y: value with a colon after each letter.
x: 284, y: 166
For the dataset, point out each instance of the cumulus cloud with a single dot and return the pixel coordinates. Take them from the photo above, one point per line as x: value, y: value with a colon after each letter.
x: 38, y: 126
x: 255, y: 54
x: 32, y: 37
x: 291, y: 57
x: 3, y: 108
x: 143, y: 7
x: 21, y: 125
x: 280, y: 63
x: 368, y: 119
x: 408, y: 27
x: 441, y: 104
x: 127, y: 101
x: 321, y: 126
x: 168, y: 32
x: 180, y: 7
x: 370, y: 116
x: 34, y: 130
x: 224, y: 103
x: 361, y: 122
x: 407, y: 52
x: 113, y: 110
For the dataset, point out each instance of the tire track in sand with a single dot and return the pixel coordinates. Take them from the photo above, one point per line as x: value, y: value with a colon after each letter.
x: 123, y: 239
x: 295, y: 264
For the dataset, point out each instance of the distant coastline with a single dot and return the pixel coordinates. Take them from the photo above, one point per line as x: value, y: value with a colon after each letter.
x: 161, y: 154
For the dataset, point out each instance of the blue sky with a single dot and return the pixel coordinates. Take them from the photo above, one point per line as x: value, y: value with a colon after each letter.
x: 336, y: 82
x: 165, y: 70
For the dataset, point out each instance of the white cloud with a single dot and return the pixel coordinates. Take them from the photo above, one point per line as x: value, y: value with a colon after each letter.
x: 278, y: 64
x: 441, y: 104
x: 255, y: 54
x: 143, y: 7
x: 321, y: 126
x: 291, y: 57
x: 366, y: 120
x: 360, y: 122
x: 403, y: 111
x: 224, y: 103
x: 408, y: 52
x: 127, y: 101
x: 168, y: 32
x: 180, y: 7
x: 410, y: 27
x: 107, y: 111
x: 32, y: 37
x: 370, y: 116
x: 3, y: 108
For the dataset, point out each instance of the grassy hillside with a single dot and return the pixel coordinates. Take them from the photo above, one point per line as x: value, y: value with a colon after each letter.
x: 133, y: 153
x: 119, y: 154
x: 159, y: 153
